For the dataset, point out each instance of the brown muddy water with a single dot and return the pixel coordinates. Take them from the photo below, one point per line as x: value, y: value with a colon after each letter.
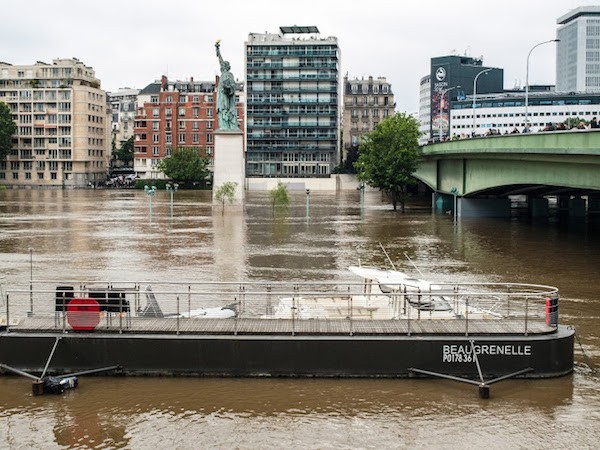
x: 108, y: 235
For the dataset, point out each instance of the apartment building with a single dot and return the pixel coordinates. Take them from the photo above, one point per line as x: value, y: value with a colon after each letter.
x: 293, y: 103
x: 122, y: 107
x: 62, y: 137
x: 176, y: 114
x: 366, y: 103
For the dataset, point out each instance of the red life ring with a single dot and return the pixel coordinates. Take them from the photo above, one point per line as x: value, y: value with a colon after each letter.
x: 83, y: 314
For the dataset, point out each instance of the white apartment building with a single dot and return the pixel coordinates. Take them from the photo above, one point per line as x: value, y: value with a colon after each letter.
x: 578, y: 52
x: 123, y: 106
x: 425, y: 109
x: 62, y: 137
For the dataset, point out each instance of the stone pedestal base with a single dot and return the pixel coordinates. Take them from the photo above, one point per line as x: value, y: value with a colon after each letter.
x: 229, y: 162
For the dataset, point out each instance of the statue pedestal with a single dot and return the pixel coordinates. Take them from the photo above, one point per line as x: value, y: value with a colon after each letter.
x: 229, y: 162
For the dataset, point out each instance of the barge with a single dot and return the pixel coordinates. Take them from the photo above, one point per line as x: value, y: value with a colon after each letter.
x: 386, y: 325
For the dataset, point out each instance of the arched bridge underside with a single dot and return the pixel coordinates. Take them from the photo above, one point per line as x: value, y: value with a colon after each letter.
x: 538, y: 164
x: 563, y: 164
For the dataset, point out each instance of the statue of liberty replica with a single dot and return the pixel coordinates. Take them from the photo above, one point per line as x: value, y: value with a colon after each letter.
x: 226, y: 110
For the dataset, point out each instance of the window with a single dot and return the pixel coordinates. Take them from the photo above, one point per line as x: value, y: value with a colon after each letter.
x: 195, y: 138
x: 181, y: 112
x: 209, y: 137
x: 375, y: 89
x: 195, y: 125
x: 182, y: 138
x: 196, y: 112
x: 209, y: 112
x: 169, y: 99
x: 182, y: 125
x: 154, y: 99
x: 168, y: 112
x: 155, y: 138
x: 209, y: 125
x: 154, y: 112
x: 155, y: 125
x: 155, y: 151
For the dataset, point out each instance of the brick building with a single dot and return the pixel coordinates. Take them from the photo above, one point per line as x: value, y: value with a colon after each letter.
x: 175, y: 114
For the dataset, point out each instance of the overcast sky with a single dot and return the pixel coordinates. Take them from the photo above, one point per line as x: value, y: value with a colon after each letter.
x: 130, y: 43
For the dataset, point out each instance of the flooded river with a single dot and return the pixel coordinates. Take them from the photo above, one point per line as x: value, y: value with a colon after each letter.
x: 110, y: 235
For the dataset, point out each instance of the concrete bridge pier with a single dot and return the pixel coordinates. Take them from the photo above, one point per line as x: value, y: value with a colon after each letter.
x: 537, y: 206
x: 571, y: 207
x: 593, y: 207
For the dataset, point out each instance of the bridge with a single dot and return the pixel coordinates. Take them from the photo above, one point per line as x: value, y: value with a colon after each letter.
x: 476, y: 176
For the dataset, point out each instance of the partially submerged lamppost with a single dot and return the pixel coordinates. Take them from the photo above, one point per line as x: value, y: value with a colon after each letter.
x: 150, y: 191
x: 172, y: 188
x: 307, y: 203
x: 454, y: 192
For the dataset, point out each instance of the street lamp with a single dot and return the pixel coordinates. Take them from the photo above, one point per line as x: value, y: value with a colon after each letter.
x: 442, y: 94
x: 150, y: 191
x: 475, y: 96
x: 172, y: 189
x: 527, y: 79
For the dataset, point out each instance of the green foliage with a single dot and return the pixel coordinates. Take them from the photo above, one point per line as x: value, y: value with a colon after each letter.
x: 125, y: 153
x: 159, y: 184
x: 7, y: 129
x: 185, y: 166
x: 389, y: 156
x: 279, y: 196
x: 226, y: 192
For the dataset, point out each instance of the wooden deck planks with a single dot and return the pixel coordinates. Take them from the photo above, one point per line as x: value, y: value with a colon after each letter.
x: 257, y: 326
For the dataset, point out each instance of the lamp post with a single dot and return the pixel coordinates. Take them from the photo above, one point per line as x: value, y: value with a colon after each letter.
x: 454, y: 192
x: 150, y: 191
x: 442, y: 94
x: 172, y: 188
x: 527, y: 79
x: 307, y: 204
x: 475, y: 97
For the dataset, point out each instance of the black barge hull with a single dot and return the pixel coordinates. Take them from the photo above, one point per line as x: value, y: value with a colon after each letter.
x: 548, y: 355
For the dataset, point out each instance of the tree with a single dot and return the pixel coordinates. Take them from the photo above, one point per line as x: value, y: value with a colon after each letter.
x: 185, y: 165
x: 125, y: 153
x: 279, y: 196
x: 7, y: 129
x: 226, y: 192
x: 389, y: 155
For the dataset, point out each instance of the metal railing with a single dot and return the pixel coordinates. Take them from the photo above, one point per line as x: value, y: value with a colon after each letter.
x: 283, y: 307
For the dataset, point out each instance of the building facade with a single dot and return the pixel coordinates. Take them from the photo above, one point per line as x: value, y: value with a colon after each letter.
x: 425, y: 109
x: 122, y: 106
x: 293, y: 103
x: 452, y: 78
x: 578, y: 52
x: 366, y: 103
x: 63, y: 128
x: 505, y: 112
x: 175, y: 114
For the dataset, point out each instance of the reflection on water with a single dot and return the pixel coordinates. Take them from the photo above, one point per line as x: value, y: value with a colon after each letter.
x: 107, y: 235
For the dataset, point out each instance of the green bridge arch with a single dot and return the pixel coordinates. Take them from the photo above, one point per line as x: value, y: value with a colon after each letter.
x: 538, y: 164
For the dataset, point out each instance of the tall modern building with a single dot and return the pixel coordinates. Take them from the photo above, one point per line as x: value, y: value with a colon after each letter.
x: 175, y: 114
x: 293, y: 103
x: 452, y: 78
x: 63, y: 127
x: 578, y: 52
x: 366, y: 103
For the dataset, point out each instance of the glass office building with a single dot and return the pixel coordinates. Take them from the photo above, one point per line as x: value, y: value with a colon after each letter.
x: 293, y: 103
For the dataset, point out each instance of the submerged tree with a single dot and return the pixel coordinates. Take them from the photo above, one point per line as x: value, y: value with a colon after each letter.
x: 279, y: 196
x: 389, y: 156
x: 226, y: 192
